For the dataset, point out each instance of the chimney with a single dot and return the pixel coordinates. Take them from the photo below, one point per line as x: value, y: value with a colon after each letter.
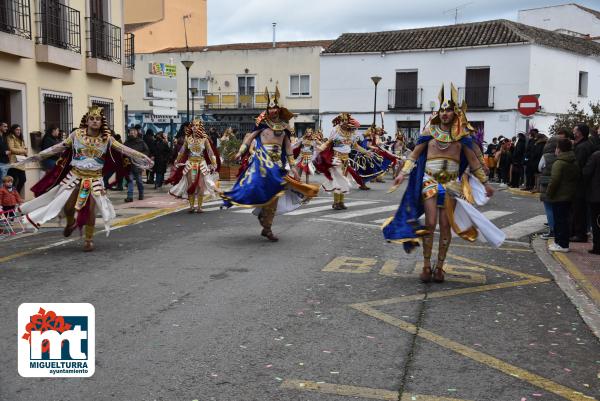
x: 274, y: 31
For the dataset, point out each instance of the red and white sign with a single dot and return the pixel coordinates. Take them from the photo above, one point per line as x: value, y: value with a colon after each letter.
x: 528, y: 104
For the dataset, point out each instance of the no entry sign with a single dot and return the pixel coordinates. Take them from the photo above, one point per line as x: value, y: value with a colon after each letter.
x: 528, y: 104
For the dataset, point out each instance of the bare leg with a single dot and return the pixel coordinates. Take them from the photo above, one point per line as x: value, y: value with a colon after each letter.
x: 69, y: 211
x: 444, y: 244
x: 430, y: 222
x: 266, y: 217
x: 90, y: 226
x: 192, y: 197
x: 200, y: 191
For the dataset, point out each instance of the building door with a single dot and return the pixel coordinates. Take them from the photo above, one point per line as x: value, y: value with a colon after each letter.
x: 5, y: 107
x: 98, y: 9
x: 406, y: 90
x: 99, y: 31
x: 410, y: 129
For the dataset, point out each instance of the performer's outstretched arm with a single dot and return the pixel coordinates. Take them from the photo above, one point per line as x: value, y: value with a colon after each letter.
x: 410, y: 163
x: 477, y: 169
x: 49, y: 152
x: 211, y: 154
x: 246, y: 144
x: 138, y: 159
x: 290, y: 157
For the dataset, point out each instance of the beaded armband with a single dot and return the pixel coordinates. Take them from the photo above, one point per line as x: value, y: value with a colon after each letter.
x: 407, y: 168
x: 480, y: 175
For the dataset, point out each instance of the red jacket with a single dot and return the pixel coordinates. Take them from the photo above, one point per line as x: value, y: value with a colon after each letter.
x: 9, y: 198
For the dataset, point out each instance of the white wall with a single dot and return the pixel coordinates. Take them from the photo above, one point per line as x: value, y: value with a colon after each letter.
x: 346, y: 83
x: 566, y: 16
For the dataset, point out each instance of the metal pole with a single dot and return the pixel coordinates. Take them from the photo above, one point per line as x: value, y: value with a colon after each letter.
x: 187, y: 92
x: 193, y: 96
x: 375, y: 105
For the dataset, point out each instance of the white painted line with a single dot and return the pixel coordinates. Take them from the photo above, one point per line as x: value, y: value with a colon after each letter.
x: 496, y: 214
x: 351, y: 223
x: 328, y: 207
x: 307, y: 206
x: 363, y: 212
x: 525, y: 227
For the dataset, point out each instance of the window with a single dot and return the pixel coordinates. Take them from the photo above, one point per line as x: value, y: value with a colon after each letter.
x: 108, y: 108
x: 406, y: 92
x: 477, y: 87
x: 583, y: 83
x: 299, y: 85
x: 148, y: 87
x: 246, y: 85
x: 57, y: 109
x: 410, y: 129
x: 201, y: 84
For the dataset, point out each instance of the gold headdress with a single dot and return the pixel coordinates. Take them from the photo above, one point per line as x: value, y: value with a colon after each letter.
x: 196, y: 127
x: 345, y: 120
x: 460, y: 125
x: 283, y: 117
x: 95, y: 111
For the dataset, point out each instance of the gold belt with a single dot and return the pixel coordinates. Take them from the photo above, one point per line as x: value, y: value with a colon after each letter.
x: 195, y: 159
x: 86, y: 174
x: 275, y: 156
x: 340, y: 155
x: 443, y: 176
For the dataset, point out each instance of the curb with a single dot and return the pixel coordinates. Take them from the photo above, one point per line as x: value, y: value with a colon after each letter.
x: 526, y: 194
x: 588, y: 310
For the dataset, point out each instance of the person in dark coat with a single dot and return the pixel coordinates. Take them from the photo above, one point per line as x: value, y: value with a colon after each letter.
x: 504, y: 158
x: 536, y: 156
x: 518, y: 161
x: 530, y: 163
x: 545, y: 168
x: 561, y: 192
x: 162, y: 156
x: 51, y: 138
x: 583, y: 150
x: 150, y: 142
x: 136, y: 143
x: 591, y: 176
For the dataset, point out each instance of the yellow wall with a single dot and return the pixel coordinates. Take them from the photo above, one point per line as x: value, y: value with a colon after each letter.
x: 138, y: 11
x: 34, y: 77
x: 169, y: 32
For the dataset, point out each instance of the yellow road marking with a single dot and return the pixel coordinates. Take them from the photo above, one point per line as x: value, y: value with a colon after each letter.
x: 490, y: 248
x: 587, y: 286
x: 354, y: 391
x: 343, y: 264
x: 119, y: 224
x: 478, y: 356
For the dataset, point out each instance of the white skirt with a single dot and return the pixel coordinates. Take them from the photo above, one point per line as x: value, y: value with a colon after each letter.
x: 47, y: 206
x: 209, y: 180
x: 339, y: 183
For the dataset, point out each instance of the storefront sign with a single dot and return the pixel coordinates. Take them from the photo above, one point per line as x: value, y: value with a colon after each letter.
x: 163, y: 69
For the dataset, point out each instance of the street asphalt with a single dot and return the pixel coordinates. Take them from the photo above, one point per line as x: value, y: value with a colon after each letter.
x: 200, y: 307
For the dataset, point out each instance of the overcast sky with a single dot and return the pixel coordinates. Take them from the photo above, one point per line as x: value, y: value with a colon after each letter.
x: 233, y: 21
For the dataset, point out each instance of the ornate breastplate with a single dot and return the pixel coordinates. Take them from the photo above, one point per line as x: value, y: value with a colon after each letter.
x: 88, y: 151
x: 196, y: 147
x: 442, y: 170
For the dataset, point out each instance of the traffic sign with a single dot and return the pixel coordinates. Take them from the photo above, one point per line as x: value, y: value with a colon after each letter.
x: 528, y: 105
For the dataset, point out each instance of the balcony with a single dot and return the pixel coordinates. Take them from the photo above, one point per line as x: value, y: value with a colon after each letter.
x: 58, y: 39
x: 405, y: 99
x: 15, y: 28
x: 235, y: 101
x: 477, y: 97
x: 129, y: 59
x: 103, y: 49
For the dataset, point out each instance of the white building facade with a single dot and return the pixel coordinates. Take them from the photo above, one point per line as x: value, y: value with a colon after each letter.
x: 566, y: 18
x: 491, y: 63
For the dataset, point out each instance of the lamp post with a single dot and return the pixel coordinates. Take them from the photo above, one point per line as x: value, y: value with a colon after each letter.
x: 187, y: 64
x: 194, y: 92
x: 375, y: 81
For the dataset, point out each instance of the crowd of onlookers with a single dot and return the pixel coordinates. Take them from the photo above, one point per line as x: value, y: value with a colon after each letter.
x: 564, y: 169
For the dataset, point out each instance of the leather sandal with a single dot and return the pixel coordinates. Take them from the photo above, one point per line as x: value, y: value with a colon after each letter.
x: 88, y: 245
x: 269, y: 235
x: 426, y: 274
x: 438, y: 274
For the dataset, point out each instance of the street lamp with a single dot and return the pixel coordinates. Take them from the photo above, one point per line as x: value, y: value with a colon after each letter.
x: 187, y: 64
x: 194, y: 93
x: 375, y: 81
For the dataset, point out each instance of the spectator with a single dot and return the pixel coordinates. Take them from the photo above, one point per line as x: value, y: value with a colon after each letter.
x: 213, y: 135
x: 4, y: 152
x: 162, y: 155
x: 109, y: 173
x: 16, y: 146
x: 583, y: 150
x: 530, y: 159
x: 595, y: 138
x: 150, y: 142
x: 504, y: 161
x: 591, y: 175
x: 490, y: 153
x: 561, y: 191
x: 518, y: 161
x: 9, y: 196
x: 51, y: 138
x: 538, y: 152
x: 227, y: 135
x: 135, y: 143
x: 545, y: 168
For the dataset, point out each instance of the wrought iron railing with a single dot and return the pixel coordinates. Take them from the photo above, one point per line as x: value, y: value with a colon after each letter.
x: 481, y: 97
x: 15, y: 17
x: 234, y: 100
x: 58, y: 25
x: 410, y: 99
x: 130, y: 51
x: 58, y: 111
x: 103, y: 40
